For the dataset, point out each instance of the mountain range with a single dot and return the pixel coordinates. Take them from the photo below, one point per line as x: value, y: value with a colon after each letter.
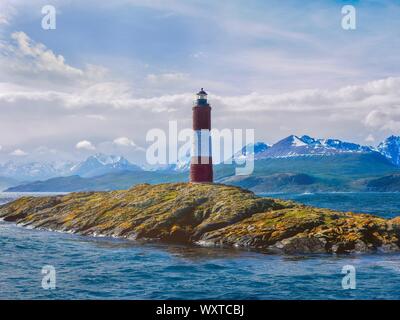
x: 100, y: 164
x: 95, y: 165
x: 295, y: 146
x: 293, y: 163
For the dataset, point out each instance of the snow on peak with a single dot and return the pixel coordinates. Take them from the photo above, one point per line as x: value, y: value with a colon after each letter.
x: 108, y: 159
x: 297, y: 142
x: 390, y: 148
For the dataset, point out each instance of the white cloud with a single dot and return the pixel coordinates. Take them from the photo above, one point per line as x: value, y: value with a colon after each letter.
x: 85, y: 145
x: 31, y: 63
x: 18, y: 153
x: 124, y: 141
x: 387, y: 118
x: 370, y: 138
x: 384, y: 92
x: 42, y: 59
x: 7, y: 11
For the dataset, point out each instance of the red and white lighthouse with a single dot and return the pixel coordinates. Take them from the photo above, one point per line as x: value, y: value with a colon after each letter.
x: 201, y: 170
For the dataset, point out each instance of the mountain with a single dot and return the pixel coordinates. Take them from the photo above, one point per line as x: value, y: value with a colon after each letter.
x: 279, y: 182
x: 101, y: 164
x: 294, y: 146
x: 390, y: 148
x: 251, y: 150
x: 318, y: 173
x: 96, y: 165
x: 110, y: 181
x: 7, y: 182
x: 390, y: 183
x: 29, y: 171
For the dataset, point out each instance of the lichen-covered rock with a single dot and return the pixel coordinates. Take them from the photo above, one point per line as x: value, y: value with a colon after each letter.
x: 207, y: 214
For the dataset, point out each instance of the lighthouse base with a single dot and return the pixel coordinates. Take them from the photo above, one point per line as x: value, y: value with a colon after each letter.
x: 201, y: 173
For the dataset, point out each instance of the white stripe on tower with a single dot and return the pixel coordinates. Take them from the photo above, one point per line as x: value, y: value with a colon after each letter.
x: 201, y: 146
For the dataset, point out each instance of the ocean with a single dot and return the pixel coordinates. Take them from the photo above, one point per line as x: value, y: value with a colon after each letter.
x: 102, y: 268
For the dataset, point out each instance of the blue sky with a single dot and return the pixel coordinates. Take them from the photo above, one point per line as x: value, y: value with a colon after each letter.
x: 280, y: 67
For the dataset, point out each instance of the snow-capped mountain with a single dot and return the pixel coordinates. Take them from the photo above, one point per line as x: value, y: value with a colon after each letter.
x: 251, y: 150
x: 294, y: 146
x: 390, y: 148
x: 93, y: 166
x: 28, y: 171
x: 100, y: 164
x: 181, y: 165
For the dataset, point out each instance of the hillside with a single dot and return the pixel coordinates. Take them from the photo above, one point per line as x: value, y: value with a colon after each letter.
x: 110, y: 181
x: 208, y: 215
x: 390, y: 183
x: 339, y: 172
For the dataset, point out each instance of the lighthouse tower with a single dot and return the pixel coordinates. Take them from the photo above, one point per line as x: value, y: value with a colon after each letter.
x: 201, y: 170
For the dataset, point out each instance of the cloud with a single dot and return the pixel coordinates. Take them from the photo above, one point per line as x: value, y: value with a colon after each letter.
x: 28, y: 62
x: 384, y: 118
x: 85, y: 145
x: 384, y: 92
x: 7, y: 11
x: 124, y: 141
x: 370, y: 138
x: 18, y: 153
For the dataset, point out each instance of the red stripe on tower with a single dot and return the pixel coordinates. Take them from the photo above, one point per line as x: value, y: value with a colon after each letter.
x: 201, y: 170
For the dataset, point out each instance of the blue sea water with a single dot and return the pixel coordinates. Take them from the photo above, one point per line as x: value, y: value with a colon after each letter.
x: 100, y: 268
x: 384, y: 204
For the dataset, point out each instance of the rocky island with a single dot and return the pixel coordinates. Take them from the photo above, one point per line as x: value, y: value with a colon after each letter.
x: 207, y: 215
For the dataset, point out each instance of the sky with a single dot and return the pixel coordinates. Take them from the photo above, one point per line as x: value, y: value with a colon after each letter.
x: 112, y: 71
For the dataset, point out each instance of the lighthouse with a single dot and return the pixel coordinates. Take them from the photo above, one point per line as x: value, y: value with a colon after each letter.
x: 201, y: 170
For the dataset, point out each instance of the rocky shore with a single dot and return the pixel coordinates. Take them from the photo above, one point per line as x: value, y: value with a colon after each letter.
x: 207, y: 215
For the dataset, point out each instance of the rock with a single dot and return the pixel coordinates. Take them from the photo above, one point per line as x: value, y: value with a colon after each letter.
x: 390, y: 247
x: 209, y: 215
x: 300, y: 244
